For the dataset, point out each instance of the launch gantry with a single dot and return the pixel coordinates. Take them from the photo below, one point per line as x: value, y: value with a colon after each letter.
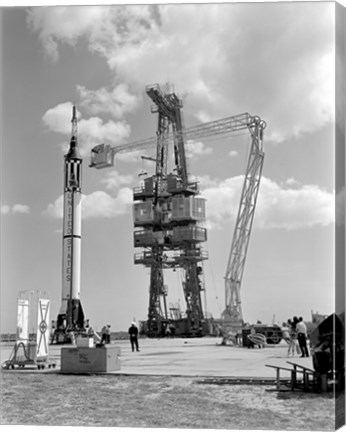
x: 167, y: 211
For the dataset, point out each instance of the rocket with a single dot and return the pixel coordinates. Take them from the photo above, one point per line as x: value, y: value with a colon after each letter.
x: 71, y: 316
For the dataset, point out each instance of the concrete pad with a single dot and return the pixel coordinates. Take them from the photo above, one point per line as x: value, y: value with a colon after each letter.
x: 203, y: 357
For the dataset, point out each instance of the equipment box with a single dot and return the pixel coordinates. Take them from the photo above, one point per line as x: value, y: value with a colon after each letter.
x: 143, y: 213
x: 80, y: 360
x: 190, y: 233
x: 85, y: 342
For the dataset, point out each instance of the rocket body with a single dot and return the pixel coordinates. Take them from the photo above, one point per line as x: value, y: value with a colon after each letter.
x: 71, y: 316
x: 71, y: 266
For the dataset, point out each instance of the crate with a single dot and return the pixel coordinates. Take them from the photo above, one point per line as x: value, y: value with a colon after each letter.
x: 81, y: 360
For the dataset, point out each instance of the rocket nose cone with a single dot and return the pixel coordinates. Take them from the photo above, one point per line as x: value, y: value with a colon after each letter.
x: 73, y: 152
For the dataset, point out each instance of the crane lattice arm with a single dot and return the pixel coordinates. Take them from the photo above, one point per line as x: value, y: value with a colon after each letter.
x: 233, y: 316
x: 102, y: 155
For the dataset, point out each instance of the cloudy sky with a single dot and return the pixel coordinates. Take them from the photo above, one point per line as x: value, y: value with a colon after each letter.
x: 275, y: 60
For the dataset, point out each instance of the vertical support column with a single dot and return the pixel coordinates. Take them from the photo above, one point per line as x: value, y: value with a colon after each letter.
x: 243, y: 227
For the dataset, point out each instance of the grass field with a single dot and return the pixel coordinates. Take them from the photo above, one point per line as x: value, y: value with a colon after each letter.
x: 159, y: 402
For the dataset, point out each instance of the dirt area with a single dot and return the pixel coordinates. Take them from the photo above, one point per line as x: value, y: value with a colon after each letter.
x: 157, y: 401
x: 165, y: 386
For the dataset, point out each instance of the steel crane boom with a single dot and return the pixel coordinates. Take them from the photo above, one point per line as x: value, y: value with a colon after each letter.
x: 232, y: 316
x: 103, y: 156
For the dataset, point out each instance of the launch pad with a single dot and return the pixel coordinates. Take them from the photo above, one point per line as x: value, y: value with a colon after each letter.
x: 190, y: 357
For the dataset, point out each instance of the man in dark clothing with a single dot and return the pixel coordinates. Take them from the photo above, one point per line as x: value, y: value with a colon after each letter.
x: 104, y: 335
x: 302, y: 336
x: 133, y: 332
x: 108, y: 334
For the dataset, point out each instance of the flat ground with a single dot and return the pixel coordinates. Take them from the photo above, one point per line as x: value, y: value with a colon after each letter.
x: 192, y: 357
x: 164, y: 386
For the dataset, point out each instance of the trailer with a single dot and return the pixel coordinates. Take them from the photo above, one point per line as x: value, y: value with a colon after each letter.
x: 32, y: 336
x: 26, y: 354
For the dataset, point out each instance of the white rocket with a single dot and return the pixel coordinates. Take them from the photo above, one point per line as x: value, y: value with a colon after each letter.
x: 71, y: 316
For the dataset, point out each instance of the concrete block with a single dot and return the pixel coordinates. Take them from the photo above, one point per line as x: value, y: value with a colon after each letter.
x: 82, y: 360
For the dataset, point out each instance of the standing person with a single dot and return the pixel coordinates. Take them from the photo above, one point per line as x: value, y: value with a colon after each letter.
x: 295, y: 322
x: 133, y: 332
x: 108, y: 334
x: 293, y: 338
x: 302, y: 336
x: 250, y: 343
x: 286, y: 333
x: 104, y: 335
x: 92, y: 334
x: 168, y: 331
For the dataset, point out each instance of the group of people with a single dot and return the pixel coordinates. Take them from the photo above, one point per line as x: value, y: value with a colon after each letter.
x: 295, y: 334
x: 106, y: 334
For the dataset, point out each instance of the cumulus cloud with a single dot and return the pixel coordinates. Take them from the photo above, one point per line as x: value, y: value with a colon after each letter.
x: 291, y: 182
x: 56, y: 209
x: 5, y: 209
x: 113, y: 180
x: 278, y: 206
x: 94, y: 130
x: 101, y: 204
x: 16, y: 208
x: 207, y: 182
x: 302, y: 207
x: 116, y: 101
x: 98, y: 204
x: 91, y: 131
x: 63, y: 25
x: 20, y: 208
x: 233, y: 153
x: 197, y: 148
x: 104, y: 27
x: 273, y: 60
x: 58, y: 119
